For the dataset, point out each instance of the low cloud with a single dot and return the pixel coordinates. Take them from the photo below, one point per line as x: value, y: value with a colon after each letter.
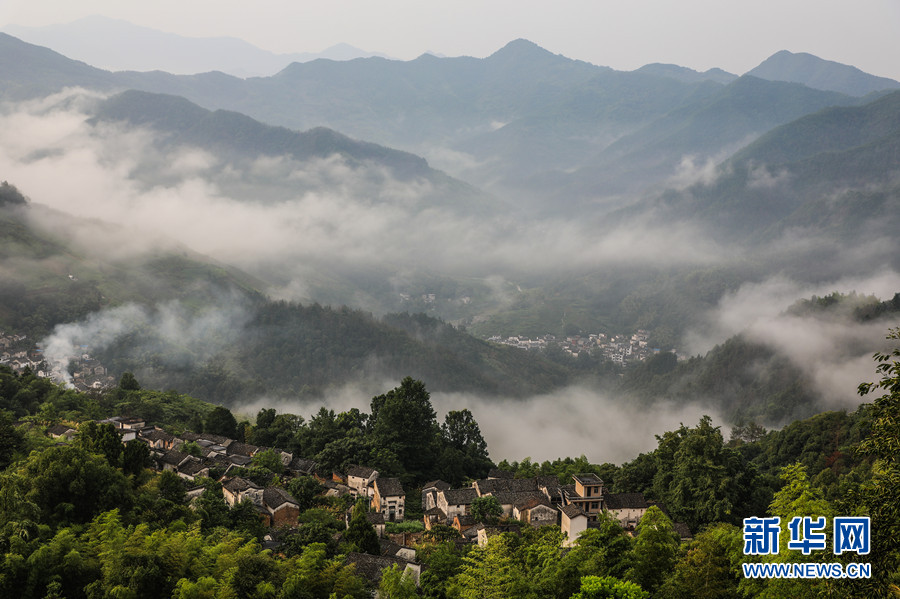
x: 832, y: 349
x: 173, y: 334
x: 269, y: 214
x: 567, y: 423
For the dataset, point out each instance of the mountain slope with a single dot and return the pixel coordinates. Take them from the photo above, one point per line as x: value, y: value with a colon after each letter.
x: 817, y: 73
x: 118, y: 45
x: 708, y: 129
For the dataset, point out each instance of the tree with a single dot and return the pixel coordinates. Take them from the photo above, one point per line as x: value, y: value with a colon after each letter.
x: 595, y: 587
x: 221, y: 421
x: 711, y: 567
x: 270, y: 460
x: 396, y: 584
x: 135, y: 457
x: 880, y: 497
x: 128, y: 383
x: 100, y: 439
x: 403, y: 421
x: 305, y: 489
x: 654, y: 549
x: 360, y: 534
x: 71, y: 485
x: 486, y: 509
x: 11, y: 439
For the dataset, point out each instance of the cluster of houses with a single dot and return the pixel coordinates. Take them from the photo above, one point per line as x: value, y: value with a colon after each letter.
x: 539, y: 501
x: 619, y: 349
x: 88, y: 373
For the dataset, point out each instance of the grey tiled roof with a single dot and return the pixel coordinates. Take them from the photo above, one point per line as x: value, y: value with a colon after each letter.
x: 389, y: 487
x: 619, y: 501
x: 360, y: 471
x: 275, y: 497
x: 238, y: 484
x: 572, y: 511
x: 371, y: 566
x: 460, y: 496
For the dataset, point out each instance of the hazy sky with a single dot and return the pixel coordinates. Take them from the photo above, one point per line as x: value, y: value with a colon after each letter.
x: 624, y: 35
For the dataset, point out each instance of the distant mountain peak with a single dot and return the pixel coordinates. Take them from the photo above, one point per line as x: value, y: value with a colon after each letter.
x: 521, y: 48
x: 680, y: 73
x: 818, y: 73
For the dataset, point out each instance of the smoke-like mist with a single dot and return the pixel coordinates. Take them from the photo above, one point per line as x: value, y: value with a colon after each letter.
x: 832, y: 349
x: 569, y: 422
x: 278, y: 211
x: 170, y: 333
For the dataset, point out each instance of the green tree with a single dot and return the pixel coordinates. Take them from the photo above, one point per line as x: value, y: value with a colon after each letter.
x: 404, y: 422
x: 71, y: 485
x: 135, y: 457
x: 360, y: 535
x: 655, y: 549
x: 270, y: 460
x: 396, y: 584
x: 711, y: 568
x: 101, y: 439
x: 221, y: 421
x: 128, y: 383
x: 486, y: 509
x: 880, y: 497
x: 595, y: 587
x: 11, y: 439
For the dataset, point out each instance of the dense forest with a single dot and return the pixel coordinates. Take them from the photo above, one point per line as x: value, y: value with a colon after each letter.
x: 89, y: 519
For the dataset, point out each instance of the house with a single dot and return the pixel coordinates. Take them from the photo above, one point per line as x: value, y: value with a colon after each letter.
x: 301, y: 466
x: 573, y: 522
x: 463, y: 523
x: 359, y: 478
x: 588, y: 494
x: 192, y: 469
x: 388, y: 498
x: 430, y: 491
x: 627, y: 508
x: 237, y: 489
x: 456, y: 501
x: 172, y: 459
x: 486, y: 532
x: 434, y: 516
x: 376, y: 519
x: 536, y: 511
x: 371, y: 567
x: 242, y: 449
x: 157, y: 439
x: 283, y: 508
x: 59, y: 431
x: 134, y: 424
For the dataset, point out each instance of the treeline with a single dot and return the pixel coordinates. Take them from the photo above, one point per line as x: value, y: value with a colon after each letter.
x: 63, y: 508
x: 286, y: 349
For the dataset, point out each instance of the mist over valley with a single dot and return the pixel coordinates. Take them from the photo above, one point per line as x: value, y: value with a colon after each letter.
x: 316, y: 235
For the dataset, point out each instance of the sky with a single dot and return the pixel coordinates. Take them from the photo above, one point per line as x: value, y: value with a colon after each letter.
x: 699, y: 34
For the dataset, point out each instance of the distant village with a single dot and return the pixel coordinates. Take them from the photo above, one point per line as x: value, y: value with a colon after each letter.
x: 78, y: 370
x: 618, y: 349
x: 537, y: 501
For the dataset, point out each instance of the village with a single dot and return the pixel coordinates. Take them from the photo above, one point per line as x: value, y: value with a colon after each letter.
x: 79, y: 370
x: 446, y: 512
x: 618, y: 349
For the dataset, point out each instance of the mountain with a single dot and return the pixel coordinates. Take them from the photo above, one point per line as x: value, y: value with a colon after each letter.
x: 235, y: 133
x: 832, y: 173
x: 687, y: 75
x: 118, y: 45
x: 183, y: 320
x: 817, y: 73
x: 27, y: 71
x: 711, y: 128
x: 58, y: 268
